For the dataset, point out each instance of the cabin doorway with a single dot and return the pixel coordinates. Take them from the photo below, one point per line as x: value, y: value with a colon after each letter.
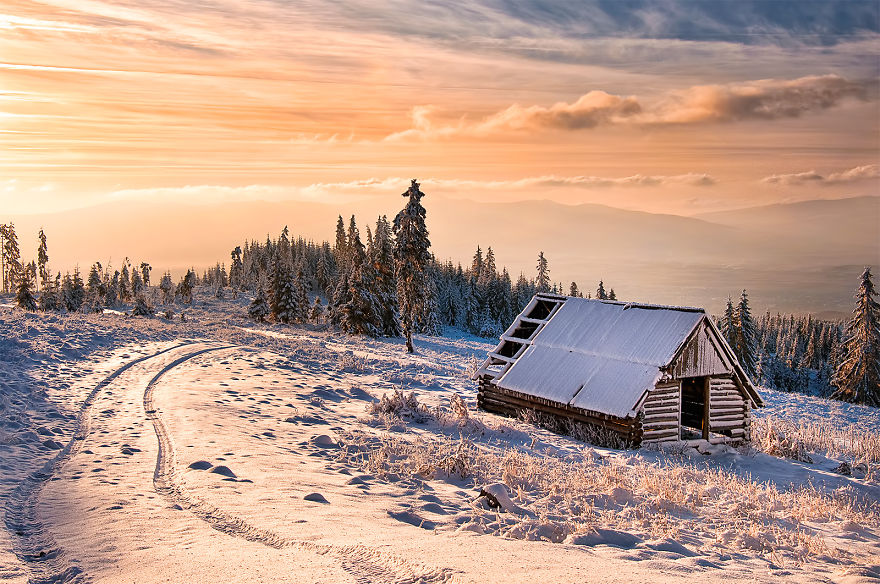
x: 695, y: 408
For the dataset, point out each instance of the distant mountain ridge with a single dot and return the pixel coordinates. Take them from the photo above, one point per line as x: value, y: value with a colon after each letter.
x: 794, y: 257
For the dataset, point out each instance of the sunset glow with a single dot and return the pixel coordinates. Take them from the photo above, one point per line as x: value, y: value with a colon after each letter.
x: 280, y: 98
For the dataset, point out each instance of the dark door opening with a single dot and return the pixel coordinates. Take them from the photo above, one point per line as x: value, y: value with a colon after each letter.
x: 694, y: 408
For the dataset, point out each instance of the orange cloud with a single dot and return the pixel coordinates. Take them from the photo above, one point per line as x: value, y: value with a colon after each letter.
x: 767, y: 99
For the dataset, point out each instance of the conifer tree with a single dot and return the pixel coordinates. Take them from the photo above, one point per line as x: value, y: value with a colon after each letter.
x: 186, y: 286
x: 49, y: 296
x: 145, y: 273
x: 385, y: 287
x: 236, y: 269
x: 612, y: 295
x: 258, y: 309
x: 415, y: 290
x: 573, y: 290
x: 600, y: 291
x: 857, y: 378
x: 727, y: 325
x: 24, y: 295
x: 317, y: 313
x: 542, y: 283
x: 113, y: 290
x: 477, y: 264
x: 125, y: 283
x: 137, y: 283
x: 141, y: 306
x: 12, y: 259
x: 361, y: 313
x: 301, y: 297
x: 745, y: 336
x: 166, y: 286
x: 341, y: 249
x: 43, y: 259
x: 341, y: 297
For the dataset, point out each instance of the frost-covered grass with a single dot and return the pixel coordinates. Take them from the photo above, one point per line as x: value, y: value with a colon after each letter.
x: 568, y: 494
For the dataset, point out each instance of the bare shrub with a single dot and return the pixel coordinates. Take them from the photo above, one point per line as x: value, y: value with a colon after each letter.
x: 779, y: 438
x: 400, y: 405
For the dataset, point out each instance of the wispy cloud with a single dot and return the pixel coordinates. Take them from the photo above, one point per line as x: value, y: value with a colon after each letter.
x: 766, y: 99
x: 857, y: 174
x: 328, y: 192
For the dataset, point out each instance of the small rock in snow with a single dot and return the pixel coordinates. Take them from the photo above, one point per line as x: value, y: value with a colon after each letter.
x: 324, y: 441
x: 200, y: 465
x: 223, y: 470
x: 316, y: 497
x: 497, y: 495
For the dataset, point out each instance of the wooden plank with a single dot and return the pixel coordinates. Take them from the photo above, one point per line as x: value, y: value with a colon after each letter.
x: 662, y: 402
x: 727, y: 411
x: 729, y: 424
x: 651, y: 411
x: 660, y: 432
x: 660, y: 417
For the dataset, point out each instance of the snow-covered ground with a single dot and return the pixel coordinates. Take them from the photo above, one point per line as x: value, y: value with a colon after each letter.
x: 216, y: 449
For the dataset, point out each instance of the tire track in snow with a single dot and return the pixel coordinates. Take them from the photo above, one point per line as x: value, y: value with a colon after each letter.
x: 366, y: 565
x: 32, y: 542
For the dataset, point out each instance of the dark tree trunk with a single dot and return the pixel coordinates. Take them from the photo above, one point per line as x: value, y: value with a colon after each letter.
x: 409, y: 345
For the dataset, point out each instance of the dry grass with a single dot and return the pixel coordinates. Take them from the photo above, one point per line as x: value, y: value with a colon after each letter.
x: 714, y: 508
x: 858, y: 447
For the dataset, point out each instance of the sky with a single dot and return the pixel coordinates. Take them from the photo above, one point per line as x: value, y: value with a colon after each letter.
x: 688, y: 108
x: 676, y: 107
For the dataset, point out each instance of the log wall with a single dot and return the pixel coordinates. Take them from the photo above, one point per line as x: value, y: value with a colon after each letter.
x: 511, y: 403
x: 660, y: 413
x: 729, y: 413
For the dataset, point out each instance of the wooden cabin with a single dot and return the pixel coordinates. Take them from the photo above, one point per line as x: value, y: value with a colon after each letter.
x: 647, y: 373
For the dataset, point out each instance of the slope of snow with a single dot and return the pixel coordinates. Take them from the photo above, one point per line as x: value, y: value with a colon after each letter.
x: 216, y: 449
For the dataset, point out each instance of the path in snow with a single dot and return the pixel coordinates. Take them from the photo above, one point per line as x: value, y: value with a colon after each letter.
x: 34, y: 545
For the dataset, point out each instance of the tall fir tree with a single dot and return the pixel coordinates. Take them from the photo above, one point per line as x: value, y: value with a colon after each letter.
x: 43, y: 259
x: 542, y: 283
x: 857, y: 379
x: 745, y: 336
x: 341, y: 249
x: 12, y: 259
x: 600, y: 291
x: 416, y: 292
x: 727, y: 324
x: 361, y: 314
x: 125, y: 283
x: 385, y: 287
x: 145, y: 272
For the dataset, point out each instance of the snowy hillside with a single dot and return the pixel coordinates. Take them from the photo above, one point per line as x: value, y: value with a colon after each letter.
x: 218, y: 450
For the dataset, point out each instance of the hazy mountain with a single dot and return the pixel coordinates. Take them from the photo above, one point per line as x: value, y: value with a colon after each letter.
x: 798, y: 257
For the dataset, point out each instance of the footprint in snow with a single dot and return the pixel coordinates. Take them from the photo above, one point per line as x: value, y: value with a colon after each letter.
x: 412, y: 519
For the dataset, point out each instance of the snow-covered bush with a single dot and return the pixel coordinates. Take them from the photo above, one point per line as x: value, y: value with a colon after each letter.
x: 142, y: 307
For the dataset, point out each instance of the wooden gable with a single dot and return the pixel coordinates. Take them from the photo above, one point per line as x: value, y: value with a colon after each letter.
x: 701, y: 356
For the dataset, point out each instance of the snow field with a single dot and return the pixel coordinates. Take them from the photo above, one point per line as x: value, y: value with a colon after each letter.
x: 282, y: 462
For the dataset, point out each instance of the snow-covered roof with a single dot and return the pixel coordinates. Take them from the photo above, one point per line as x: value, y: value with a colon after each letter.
x: 601, y: 356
